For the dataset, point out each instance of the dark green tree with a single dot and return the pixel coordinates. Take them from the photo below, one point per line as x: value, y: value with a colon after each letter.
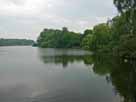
x: 101, y: 36
x: 124, y: 28
x: 127, y: 8
x: 58, y: 38
x: 14, y: 42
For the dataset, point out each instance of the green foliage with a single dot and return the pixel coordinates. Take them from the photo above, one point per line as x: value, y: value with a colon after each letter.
x: 126, y: 47
x: 98, y: 38
x: 14, y: 42
x: 87, y: 42
x: 58, y: 39
x: 87, y: 39
x: 102, y: 36
x: 127, y: 8
x: 119, y: 27
x: 124, y: 28
x: 120, y: 36
x: 87, y: 32
x: 125, y: 5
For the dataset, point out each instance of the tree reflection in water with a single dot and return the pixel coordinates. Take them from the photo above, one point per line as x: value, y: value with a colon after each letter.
x: 121, y: 74
x: 64, y: 56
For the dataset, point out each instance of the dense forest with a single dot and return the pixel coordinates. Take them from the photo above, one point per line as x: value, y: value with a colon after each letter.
x: 15, y: 42
x: 117, y: 35
x: 51, y: 38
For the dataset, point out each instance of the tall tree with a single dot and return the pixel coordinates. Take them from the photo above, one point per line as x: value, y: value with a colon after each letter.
x: 58, y: 38
x: 125, y: 26
x: 101, y: 36
x: 127, y: 8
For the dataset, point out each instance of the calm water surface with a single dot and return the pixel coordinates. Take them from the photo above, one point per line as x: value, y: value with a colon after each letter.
x: 30, y: 74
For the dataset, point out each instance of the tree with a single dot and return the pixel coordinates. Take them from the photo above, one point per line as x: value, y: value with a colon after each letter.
x: 58, y: 38
x: 124, y: 28
x: 127, y: 8
x: 98, y: 38
x: 87, y: 32
x: 65, y: 29
x: 14, y: 42
x: 87, y: 42
x: 101, y: 36
x: 125, y: 5
x: 87, y: 39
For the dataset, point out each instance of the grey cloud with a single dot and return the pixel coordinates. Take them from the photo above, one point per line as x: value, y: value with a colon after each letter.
x: 77, y: 15
x: 16, y: 2
x: 84, y: 8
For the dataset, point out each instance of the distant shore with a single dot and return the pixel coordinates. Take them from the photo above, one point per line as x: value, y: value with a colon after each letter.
x: 16, y: 42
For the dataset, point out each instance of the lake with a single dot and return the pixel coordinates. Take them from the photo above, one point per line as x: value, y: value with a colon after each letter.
x: 29, y: 74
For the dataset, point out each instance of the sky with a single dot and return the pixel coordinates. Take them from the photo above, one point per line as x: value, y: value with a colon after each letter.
x: 27, y: 18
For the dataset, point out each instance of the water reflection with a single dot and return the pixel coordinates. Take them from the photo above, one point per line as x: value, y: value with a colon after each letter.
x: 123, y: 77
x: 121, y: 74
x: 77, y: 83
x: 37, y: 75
x: 65, y: 56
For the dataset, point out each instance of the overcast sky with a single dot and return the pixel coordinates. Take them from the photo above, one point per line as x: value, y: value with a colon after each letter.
x: 27, y: 18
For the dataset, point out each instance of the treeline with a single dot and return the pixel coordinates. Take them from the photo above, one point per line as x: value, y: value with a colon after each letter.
x: 51, y: 38
x: 98, y: 38
x: 117, y: 36
x: 15, y: 42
